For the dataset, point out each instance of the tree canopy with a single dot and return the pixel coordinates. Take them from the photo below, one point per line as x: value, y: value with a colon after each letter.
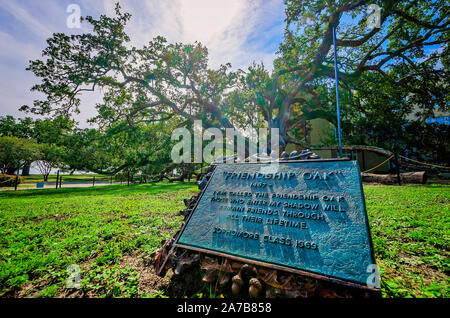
x: 16, y: 152
x: 392, y: 75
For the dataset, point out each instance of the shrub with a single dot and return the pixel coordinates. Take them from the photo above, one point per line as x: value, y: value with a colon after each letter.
x: 7, y: 180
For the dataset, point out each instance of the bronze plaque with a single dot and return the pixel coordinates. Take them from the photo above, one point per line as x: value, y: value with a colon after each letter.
x: 306, y: 215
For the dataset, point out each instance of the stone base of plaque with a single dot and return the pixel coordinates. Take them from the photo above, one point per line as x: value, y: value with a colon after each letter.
x: 190, y: 269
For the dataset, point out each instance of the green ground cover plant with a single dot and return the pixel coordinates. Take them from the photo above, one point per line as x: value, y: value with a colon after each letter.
x: 110, y: 232
x: 410, y: 228
x: 100, y: 229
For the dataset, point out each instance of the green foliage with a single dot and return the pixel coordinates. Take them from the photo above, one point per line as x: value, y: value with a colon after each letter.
x: 52, y: 131
x: 121, y: 148
x: 149, y: 84
x: 20, y: 128
x: 16, y: 152
x: 48, y: 136
x: 51, y: 157
x: 390, y: 76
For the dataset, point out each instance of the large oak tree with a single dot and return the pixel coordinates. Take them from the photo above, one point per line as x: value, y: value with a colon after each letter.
x: 162, y: 80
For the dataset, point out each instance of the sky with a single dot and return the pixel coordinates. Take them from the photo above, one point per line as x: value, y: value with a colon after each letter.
x: 235, y: 31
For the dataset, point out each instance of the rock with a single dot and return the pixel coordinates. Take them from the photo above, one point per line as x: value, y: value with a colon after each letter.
x: 294, y: 154
x: 237, y: 284
x: 255, y: 287
x: 224, y: 280
x: 210, y: 276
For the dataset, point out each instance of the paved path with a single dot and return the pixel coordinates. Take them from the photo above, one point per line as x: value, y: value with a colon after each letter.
x: 52, y: 185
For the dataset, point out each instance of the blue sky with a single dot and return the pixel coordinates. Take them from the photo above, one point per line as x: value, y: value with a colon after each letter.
x: 235, y: 31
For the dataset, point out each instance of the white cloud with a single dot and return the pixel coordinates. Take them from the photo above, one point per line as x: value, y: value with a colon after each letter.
x: 203, y: 20
x: 224, y: 27
x: 22, y: 15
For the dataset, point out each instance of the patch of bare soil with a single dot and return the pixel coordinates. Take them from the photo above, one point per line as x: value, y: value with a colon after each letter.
x: 27, y: 290
x: 413, y: 264
x: 149, y: 282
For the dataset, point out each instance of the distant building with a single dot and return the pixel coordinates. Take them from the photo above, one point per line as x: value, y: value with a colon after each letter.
x: 321, y: 130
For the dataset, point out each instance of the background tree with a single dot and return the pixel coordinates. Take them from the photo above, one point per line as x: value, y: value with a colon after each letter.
x: 52, y: 135
x: 118, y: 147
x: 51, y: 157
x: 52, y: 130
x: 407, y: 58
x: 16, y: 152
x: 20, y: 128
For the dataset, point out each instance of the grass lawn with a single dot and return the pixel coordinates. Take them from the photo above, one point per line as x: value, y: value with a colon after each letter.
x: 411, y: 236
x: 110, y: 231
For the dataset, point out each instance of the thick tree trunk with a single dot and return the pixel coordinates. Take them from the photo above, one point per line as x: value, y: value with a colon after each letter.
x: 26, y: 171
x: 283, y: 141
x: 406, y: 177
x: 283, y: 135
